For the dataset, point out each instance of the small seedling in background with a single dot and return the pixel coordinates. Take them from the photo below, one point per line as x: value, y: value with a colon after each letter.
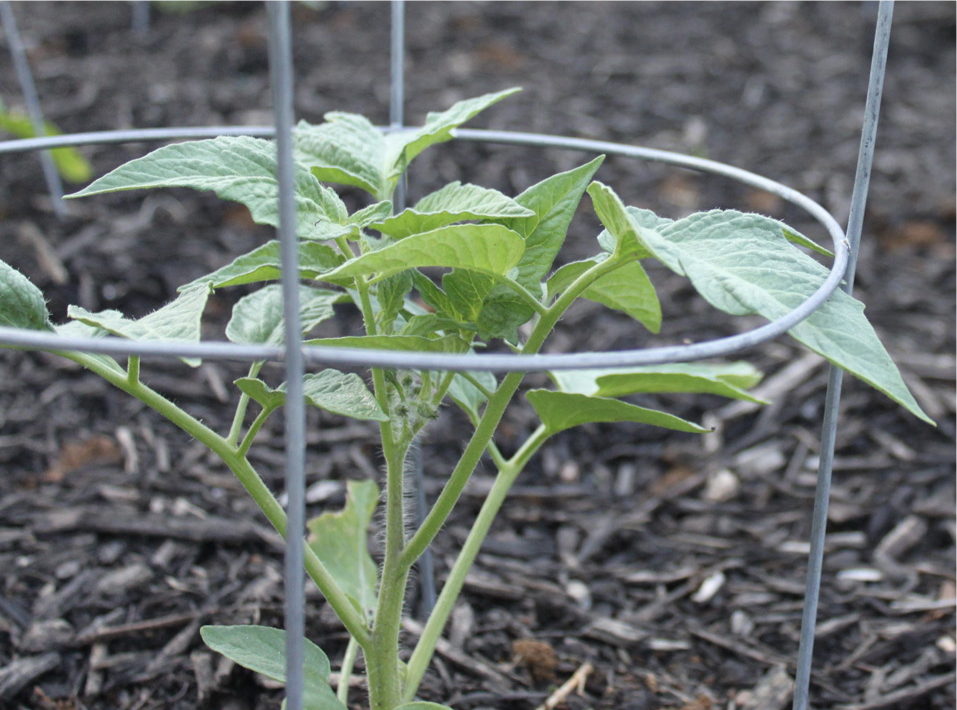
x: 497, y: 253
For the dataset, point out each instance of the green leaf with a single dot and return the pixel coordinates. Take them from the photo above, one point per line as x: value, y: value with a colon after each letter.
x: 75, y: 328
x: 553, y: 203
x: 264, y: 264
x: 404, y: 146
x: 628, y: 289
x: 21, y: 303
x: 237, y: 168
x: 564, y: 410
x: 71, y: 165
x: 624, y: 230
x: 566, y: 275
x: 453, y: 203
x: 422, y: 705
x: 487, y: 248
x: 743, y: 264
x: 466, y: 291
x: 502, y: 313
x: 431, y: 294
x: 467, y: 396
x: 263, y: 650
x: 724, y: 379
x: 341, y: 542
x: 346, y: 150
x: 178, y: 320
x: 371, y: 214
x: 390, y: 294
x: 257, y: 319
x: 404, y: 343
x: 337, y: 392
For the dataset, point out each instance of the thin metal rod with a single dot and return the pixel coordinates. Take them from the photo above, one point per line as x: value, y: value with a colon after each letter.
x: 140, y: 16
x: 426, y: 573
x: 479, y: 362
x: 280, y: 70
x: 397, y: 88
x: 835, y: 375
x: 32, y: 101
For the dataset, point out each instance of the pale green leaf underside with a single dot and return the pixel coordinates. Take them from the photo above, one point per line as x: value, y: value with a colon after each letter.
x: 178, y: 320
x: 488, y: 248
x: 404, y: 343
x: 75, y: 328
x: 237, y: 168
x: 438, y: 128
x: 257, y: 319
x: 469, y: 397
x: 564, y: 410
x: 347, y: 150
x: 342, y: 393
x: 263, y: 264
x: 453, y: 203
x: 21, y: 303
x: 341, y: 542
x: 263, y: 650
x: 743, y: 264
x: 724, y: 379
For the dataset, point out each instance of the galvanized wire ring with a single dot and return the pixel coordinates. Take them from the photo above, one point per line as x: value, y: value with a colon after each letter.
x: 496, y: 362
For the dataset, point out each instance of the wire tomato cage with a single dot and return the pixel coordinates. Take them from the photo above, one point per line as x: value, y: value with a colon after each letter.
x: 297, y: 356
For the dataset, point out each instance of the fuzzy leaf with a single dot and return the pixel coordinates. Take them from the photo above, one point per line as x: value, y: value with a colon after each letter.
x: 263, y: 650
x: 553, y: 203
x: 743, y: 264
x: 469, y: 397
x: 488, y: 248
x: 178, y: 320
x: 564, y: 410
x: 237, y: 168
x: 257, y: 319
x: 404, y: 146
x: 337, y: 392
x: 75, y: 328
x: 724, y: 379
x: 21, y: 303
x: 453, y: 203
x: 263, y: 264
x: 341, y: 541
x: 346, y: 150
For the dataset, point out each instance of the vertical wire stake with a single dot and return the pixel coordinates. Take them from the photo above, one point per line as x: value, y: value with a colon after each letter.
x: 280, y: 75
x: 396, y: 122
x: 835, y: 375
x: 32, y: 101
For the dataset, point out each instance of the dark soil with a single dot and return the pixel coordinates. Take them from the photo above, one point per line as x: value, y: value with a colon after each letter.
x: 673, y: 564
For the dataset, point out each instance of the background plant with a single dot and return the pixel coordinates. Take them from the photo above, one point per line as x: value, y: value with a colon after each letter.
x: 497, y: 254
